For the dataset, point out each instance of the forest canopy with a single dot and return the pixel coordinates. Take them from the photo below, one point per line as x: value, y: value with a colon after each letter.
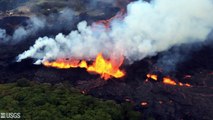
x: 46, y: 101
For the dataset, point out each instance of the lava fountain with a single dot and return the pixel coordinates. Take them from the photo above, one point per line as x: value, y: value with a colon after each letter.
x: 104, y: 67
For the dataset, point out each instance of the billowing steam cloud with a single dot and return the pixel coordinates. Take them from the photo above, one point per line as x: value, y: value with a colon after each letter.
x: 147, y: 28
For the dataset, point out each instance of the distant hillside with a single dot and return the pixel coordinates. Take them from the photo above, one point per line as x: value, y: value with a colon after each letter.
x: 44, y: 6
x: 10, y: 4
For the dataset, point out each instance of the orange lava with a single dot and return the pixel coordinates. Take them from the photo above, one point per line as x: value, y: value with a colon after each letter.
x: 101, y: 66
x: 188, y: 85
x: 152, y: 76
x: 169, y: 81
x: 62, y: 63
x: 166, y: 80
x: 105, y: 68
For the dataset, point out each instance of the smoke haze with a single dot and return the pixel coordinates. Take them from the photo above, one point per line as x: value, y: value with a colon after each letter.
x: 55, y: 22
x: 2, y: 35
x: 147, y: 28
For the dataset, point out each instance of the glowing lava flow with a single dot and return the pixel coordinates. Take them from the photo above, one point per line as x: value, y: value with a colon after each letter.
x: 167, y: 80
x: 101, y: 66
x: 62, y: 63
x: 154, y: 77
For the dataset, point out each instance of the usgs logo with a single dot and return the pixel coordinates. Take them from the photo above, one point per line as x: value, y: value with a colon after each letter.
x: 10, y: 115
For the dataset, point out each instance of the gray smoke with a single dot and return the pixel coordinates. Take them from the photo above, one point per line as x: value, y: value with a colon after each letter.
x: 169, y: 60
x: 34, y: 25
x: 63, y: 20
x: 2, y: 35
x: 22, y: 32
x: 147, y: 29
x: 56, y: 22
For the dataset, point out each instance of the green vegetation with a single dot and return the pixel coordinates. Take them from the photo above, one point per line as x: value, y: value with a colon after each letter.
x: 59, y: 102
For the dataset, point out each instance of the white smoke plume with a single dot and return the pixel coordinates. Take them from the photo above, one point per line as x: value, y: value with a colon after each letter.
x: 147, y: 28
